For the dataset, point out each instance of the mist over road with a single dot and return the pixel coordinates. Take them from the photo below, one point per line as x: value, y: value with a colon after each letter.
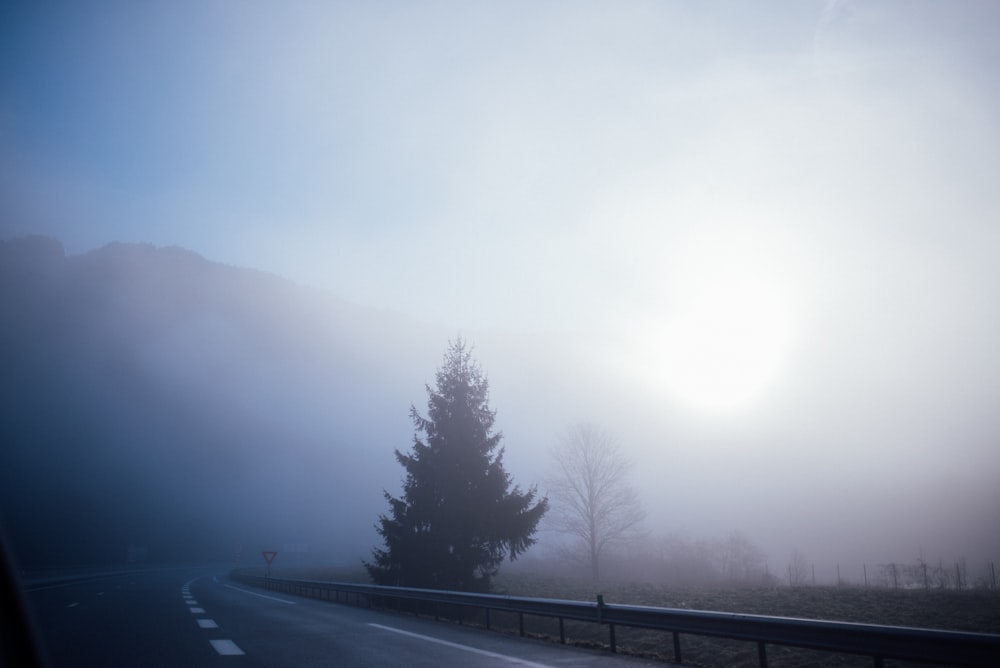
x: 198, y: 617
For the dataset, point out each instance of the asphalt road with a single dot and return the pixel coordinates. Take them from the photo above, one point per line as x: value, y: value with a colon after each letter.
x: 198, y: 617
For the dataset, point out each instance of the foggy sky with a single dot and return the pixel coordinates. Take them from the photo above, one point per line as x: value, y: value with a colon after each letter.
x: 574, y: 187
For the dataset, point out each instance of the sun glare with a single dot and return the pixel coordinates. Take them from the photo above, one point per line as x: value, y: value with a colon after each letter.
x: 724, y: 348
x: 721, y: 341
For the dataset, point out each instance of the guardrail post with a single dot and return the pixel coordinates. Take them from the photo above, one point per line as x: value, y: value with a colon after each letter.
x: 761, y: 655
x: 877, y: 661
x: 487, y: 619
x: 562, y: 631
x: 614, y: 645
x: 677, y: 647
x: 520, y: 623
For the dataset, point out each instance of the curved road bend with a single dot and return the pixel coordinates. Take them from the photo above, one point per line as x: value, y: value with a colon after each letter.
x: 197, y: 617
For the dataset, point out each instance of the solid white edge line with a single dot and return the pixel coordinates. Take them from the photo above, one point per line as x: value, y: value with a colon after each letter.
x: 226, y: 647
x: 253, y: 593
x: 455, y: 645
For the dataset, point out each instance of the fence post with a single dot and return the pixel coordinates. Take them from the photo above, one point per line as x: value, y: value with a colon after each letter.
x: 761, y: 655
x: 677, y: 647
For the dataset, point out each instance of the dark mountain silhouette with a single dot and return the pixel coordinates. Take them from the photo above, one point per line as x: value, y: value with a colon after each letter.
x: 155, y: 405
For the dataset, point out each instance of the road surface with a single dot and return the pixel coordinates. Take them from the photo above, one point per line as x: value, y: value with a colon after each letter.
x: 198, y: 617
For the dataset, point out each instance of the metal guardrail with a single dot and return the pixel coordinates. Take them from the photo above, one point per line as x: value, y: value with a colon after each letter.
x: 954, y: 648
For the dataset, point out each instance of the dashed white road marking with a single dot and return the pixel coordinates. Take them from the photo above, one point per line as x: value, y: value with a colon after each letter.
x: 221, y: 646
x: 253, y: 593
x: 226, y: 647
x: 466, y: 648
x: 73, y: 605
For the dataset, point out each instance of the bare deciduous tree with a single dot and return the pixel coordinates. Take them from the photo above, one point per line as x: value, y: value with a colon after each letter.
x: 591, y: 498
x: 740, y: 560
x: 798, y: 569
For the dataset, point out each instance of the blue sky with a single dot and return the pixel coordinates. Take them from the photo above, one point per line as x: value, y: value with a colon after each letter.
x: 567, y: 167
x: 542, y: 150
x: 779, y: 220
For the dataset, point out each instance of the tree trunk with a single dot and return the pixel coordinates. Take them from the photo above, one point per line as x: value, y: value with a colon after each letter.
x: 594, y: 569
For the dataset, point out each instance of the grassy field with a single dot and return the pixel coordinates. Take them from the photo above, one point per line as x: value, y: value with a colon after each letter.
x: 975, y: 610
x: 970, y: 610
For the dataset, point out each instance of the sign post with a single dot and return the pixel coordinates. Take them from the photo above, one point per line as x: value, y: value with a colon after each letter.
x: 269, y: 556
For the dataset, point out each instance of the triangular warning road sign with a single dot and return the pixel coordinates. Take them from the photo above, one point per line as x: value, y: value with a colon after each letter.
x: 269, y: 556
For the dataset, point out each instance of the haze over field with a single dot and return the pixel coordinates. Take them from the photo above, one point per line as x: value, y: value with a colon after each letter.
x: 758, y: 244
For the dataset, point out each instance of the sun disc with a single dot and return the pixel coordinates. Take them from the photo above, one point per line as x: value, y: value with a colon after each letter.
x: 723, y: 346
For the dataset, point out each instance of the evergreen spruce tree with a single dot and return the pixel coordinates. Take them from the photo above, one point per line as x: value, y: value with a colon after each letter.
x: 459, y: 515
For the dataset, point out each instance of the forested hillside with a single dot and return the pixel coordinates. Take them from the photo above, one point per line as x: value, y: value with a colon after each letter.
x: 157, y: 406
